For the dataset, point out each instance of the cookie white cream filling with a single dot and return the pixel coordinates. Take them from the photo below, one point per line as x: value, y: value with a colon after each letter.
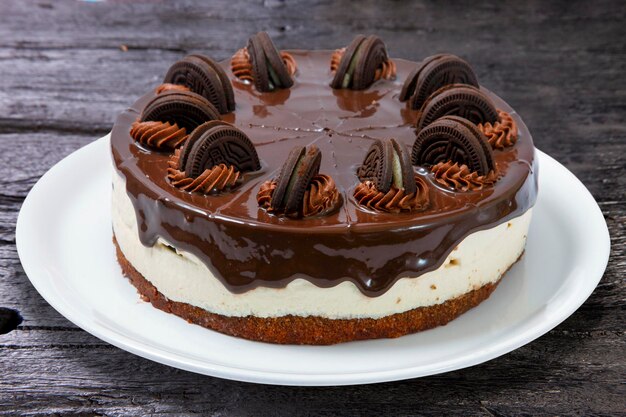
x: 481, y: 258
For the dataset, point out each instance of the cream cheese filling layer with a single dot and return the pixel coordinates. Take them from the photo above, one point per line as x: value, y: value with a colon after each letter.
x: 481, y: 258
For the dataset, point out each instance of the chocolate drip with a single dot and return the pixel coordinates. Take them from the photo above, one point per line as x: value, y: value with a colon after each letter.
x: 245, y: 247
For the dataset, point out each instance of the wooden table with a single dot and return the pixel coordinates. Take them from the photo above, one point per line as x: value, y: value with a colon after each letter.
x: 68, y: 67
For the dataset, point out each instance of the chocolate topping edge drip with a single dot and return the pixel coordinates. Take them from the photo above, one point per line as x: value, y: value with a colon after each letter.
x: 372, y: 250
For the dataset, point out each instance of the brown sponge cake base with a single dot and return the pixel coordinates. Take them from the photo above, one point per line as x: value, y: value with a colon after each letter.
x: 309, y: 330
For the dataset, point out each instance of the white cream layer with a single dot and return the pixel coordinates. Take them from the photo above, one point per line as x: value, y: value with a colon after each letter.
x: 481, y: 258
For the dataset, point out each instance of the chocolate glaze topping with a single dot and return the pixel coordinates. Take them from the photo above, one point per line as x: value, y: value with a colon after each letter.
x: 246, y: 247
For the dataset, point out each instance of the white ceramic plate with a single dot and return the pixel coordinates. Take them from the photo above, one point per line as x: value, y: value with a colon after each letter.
x: 64, y: 243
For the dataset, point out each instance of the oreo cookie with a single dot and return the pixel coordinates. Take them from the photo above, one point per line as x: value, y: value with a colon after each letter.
x: 277, y: 70
x: 358, y: 65
x: 403, y: 174
x: 387, y: 163
x: 451, y: 138
x: 461, y: 100
x: 270, y: 71
x: 184, y: 108
x: 226, y: 84
x: 487, y: 149
x: 345, y: 69
x: 373, y: 55
x: 296, y: 174
x: 203, y: 76
x: 259, y: 65
x: 408, y: 88
x: 377, y: 165
x: 215, y: 143
x: 193, y: 137
x: 436, y: 72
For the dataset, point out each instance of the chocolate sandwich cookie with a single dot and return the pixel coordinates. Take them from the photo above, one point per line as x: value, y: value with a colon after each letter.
x: 434, y: 73
x: 259, y: 65
x: 403, y: 174
x: 203, y: 76
x: 459, y: 100
x: 215, y: 143
x: 358, y: 64
x: 270, y: 72
x: 387, y: 163
x: 225, y: 81
x: 184, y: 108
x: 296, y: 174
x: 374, y: 53
x: 377, y: 165
x: 200, y: 77
x: 408, y: 88
x: 451, y: 139
x: 487, y: 149
x: 345, y: 69
x: 197, y: 133
x: 277, y: 70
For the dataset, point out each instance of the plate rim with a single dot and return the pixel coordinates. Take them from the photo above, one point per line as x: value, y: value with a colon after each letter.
x: 187, y: 363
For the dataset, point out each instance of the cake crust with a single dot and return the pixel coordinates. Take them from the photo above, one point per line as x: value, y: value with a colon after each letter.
x: 309, y: 330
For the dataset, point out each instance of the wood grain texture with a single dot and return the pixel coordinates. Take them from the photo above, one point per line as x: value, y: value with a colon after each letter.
x: 65, y: 76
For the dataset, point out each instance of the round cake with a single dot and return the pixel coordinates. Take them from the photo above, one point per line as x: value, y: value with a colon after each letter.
x: 319, y: 197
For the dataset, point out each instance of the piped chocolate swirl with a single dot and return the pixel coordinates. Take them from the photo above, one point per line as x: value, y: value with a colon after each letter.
x: 212, y: 180
x: 158, y: 135
x: 395, y: 200
x: 502, y: 133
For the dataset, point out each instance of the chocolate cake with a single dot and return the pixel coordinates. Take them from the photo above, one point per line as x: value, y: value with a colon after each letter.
x: 318, y: 197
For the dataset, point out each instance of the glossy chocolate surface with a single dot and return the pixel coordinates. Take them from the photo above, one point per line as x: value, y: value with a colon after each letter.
x: 245, y: 247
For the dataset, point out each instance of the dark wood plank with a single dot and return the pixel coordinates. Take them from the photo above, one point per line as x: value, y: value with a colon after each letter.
x: 65, y: 75
x: 500, y: 386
